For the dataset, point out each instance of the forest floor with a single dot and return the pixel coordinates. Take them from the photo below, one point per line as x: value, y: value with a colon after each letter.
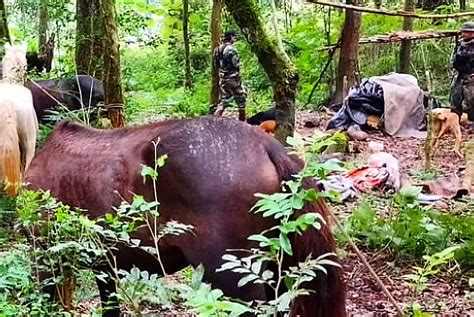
x: 445, y: 295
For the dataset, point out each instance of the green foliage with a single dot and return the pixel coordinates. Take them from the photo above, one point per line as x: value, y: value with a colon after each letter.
x: 43, y: 132
x: 68, y: 242
x: 427, y: 175
x: 207, y: 301
x: 412, y: 230
x: 139, y: 289
x: 432, y: 266
x: 19, y: 294
x: 417, y: 312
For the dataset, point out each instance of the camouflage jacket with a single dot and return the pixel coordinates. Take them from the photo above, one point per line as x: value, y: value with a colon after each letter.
x: 227, y: 60
x: 463, y: 61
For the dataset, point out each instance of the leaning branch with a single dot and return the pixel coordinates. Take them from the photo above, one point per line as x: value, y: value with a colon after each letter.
x: 399, y: 13
x: 398, y: 37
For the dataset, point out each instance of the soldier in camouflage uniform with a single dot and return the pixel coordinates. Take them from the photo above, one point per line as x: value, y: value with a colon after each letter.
x: 227, y: 60
x: 462, y: 91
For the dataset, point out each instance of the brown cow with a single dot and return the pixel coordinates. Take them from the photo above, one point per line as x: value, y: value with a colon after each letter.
x: 215, y: 167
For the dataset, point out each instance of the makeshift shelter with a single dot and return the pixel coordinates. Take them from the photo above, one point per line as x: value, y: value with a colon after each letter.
x: 395, y: 99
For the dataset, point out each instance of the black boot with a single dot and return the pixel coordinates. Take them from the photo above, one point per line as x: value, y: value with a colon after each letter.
x: 242, y: 114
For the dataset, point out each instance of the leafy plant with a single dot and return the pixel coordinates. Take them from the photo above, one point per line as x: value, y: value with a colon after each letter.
x: 417, y: 312
x: 19, y: 294
x: 411, y: 229
x: 427, y: 175
x: 432, y: 266
x: 207, y: 301
x: 138, y: 288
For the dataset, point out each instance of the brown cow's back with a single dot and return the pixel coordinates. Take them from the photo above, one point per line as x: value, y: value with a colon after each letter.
x: 214, y: 168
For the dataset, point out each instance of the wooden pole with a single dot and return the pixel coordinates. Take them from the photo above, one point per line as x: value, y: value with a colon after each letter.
x: 397, y: 37
x: 405, y: 48
x: 429, y: 125
x: 469, y: 161
x: 391, y: 13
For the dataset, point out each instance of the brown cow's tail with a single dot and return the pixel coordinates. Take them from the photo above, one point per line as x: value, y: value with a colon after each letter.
x: 9, y: 156
x: 327, y: 298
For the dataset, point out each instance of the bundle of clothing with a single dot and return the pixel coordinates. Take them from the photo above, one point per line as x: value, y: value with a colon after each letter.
x: 380, y: 173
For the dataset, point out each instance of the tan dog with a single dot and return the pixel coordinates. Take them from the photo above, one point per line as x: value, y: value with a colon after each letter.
x: 445, y: 121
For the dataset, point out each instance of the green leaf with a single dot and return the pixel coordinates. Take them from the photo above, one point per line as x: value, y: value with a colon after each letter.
x: 285, y: 244
x: 284, y: 302
x: 161, y: 160
x: 197, y: 276
x: 246, y: 279
x: 148, y: 171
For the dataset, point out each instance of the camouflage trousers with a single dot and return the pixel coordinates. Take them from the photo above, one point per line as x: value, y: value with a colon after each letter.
x: 462, y: 97
x: 231, y: 88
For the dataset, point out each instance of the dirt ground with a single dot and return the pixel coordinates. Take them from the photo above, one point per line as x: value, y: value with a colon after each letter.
x: 445, y: 296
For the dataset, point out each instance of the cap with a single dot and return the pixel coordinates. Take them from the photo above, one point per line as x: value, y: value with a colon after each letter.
x: 467, y: 27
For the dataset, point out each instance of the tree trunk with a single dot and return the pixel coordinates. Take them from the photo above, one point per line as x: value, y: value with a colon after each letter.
x: 405, y: 48
x: 187, y: 61
x: 97, y: 68
x: 4, y: 34
x: 43, y: 24
x: 277, y: 32
x: 281, y: 73
x: 348, y: 53
x: 113, y: 82
x: 83, y: 54
x: 89, y: 38
x: 215, y: 39
x: 462, y: 5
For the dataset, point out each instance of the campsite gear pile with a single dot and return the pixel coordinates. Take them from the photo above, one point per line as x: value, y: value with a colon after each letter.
x: 394, y: 100
x: 380, y: 173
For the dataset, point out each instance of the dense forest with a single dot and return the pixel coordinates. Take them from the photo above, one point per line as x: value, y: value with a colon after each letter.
x: 407, y: 250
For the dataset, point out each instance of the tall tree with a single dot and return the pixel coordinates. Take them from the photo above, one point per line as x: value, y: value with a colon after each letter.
x: 405, y: 48
x: 187, y: 59
x: 45, y: 42
x: 43, y: 26
x: 281, y: 72
x: 4, y: 34
x: 89, y: 38
x: 348, y: 53
x: 215, y: 39
x: 84, y: 42
x: 113, y: 81
x: 97, y: 66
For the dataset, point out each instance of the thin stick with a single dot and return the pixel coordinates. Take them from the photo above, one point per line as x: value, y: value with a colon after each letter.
x: 367, y: 265
x: 328, y: 62
x: 391, y: 13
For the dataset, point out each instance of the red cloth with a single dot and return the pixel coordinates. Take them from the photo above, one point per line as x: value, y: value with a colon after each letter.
x: 367, y: 178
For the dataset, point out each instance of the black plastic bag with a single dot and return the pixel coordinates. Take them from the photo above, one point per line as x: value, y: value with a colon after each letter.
x: 341, y: 120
